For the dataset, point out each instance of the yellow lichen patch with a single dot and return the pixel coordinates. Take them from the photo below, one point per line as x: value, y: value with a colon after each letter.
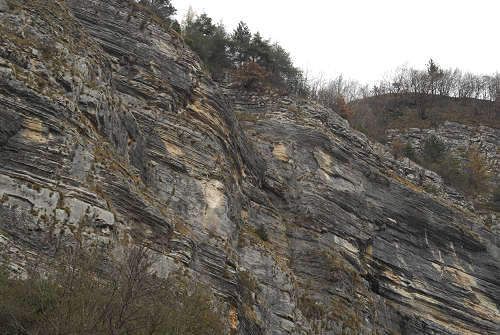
x: 397, y: 285
x: 233, y: 318
x: 369, y: 251
x: 346, y: 244
x: 34, y: 131
x: 486, y: 307
x: 173, y: 149
x: 249, y: 312
x: 182, y: 228
x: 280, y: 152
x: 213, y: 194
x: 214, y: 199
x: 324, y: 161
x: 439, y: 318
x: 405, y: 182
x: 162, y: 46
x: 210, y: 115
x: 429, y: 309
x: 388, y: 273
x: 437, y: 267
x: 462, y: 279
x: 34, y: 136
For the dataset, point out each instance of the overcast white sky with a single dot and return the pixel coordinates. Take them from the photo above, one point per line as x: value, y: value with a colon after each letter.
x: 365, y: 39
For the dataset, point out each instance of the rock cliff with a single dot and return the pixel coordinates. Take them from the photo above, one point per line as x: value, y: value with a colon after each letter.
x: 112, y: 131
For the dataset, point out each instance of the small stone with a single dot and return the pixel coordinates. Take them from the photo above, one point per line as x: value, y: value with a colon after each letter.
x: 4, y: 6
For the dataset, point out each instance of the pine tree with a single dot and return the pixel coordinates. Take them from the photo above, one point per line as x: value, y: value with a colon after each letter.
x: 260, y: 51
x: 434, y: 73
x: 209, y: 41
x: 240, y: 43
x: 161, y: 8
x: 497, y: 99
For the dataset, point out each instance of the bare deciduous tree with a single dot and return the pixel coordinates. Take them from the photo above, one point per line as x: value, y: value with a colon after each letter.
x: 92, y: 292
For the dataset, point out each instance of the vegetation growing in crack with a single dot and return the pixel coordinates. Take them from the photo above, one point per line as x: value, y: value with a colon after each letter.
x: 262, y: 233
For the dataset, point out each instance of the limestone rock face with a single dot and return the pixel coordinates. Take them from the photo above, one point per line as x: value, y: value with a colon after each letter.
x: 111, y: 130
x: 3, y: 5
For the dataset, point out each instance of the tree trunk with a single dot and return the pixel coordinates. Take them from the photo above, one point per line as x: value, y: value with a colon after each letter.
x: 497, y: 103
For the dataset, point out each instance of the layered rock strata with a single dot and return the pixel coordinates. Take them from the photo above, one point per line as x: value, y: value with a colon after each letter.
x: 112, y: 131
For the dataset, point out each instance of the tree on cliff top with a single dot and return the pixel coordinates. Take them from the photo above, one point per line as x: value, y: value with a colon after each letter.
x: 161, y: 8
x: 434, y: 73
x: 208, y: 40
x: 240, y: 43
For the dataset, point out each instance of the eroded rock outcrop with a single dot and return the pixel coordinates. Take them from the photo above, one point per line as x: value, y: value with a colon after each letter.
x: 458, y: 138
x: 111, y: 130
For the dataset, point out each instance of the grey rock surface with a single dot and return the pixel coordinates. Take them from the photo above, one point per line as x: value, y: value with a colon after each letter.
x: 111, y: 130
x: 4, y: 6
